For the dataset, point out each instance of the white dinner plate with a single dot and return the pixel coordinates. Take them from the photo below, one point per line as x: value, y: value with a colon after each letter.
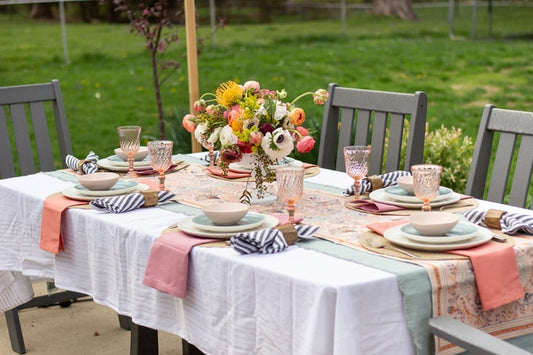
x: 381, y: 196
x: 396, y: 236
x: 110, y: 165
x: 75, y: 194
x: 122, y: 186
x: 249, y: 221
x: 246, y: 169
x: 460, y: 232
x: 399, y: 194
x: 189, y: 227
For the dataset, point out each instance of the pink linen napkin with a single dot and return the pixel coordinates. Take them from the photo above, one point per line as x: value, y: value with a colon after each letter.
x: 495, y: 269
x: 374, y: 207
x: 168, y: 263
x: 51, y: 238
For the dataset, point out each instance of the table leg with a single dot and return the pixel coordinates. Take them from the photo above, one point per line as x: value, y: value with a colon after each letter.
x: 189, y: 349
x: 143, y: 340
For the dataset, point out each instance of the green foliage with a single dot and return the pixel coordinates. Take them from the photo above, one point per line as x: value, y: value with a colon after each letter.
x: 453, y: 150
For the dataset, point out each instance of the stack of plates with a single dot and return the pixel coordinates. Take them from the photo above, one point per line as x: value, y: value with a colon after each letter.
x: 114, y: 163
x: 395, y: 195
x: 463, y: 235
x: 122, y: 187
x: 201, y: 226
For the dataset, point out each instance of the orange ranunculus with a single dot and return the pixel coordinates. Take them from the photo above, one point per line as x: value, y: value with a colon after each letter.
x: 188, y: 124
x: 297, y: 116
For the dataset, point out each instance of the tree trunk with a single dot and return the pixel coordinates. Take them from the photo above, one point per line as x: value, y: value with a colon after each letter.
x: 41, y: 11
x: 400, y: 8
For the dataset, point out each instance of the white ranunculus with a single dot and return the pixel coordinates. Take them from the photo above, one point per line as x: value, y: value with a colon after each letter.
x: 199, y: 132
x: 281, y: 111
x: 278, y: 144
x: 227, y: 137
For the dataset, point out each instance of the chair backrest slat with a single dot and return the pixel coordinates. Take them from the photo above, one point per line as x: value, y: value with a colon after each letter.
x: 33, y: 143
x: 512, y: 125
x: 378, y: 116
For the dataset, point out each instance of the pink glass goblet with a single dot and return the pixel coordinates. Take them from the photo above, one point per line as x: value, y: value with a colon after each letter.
x: 356, y: 159
x: 129, y: 137
x: 160, y: 159
x: 290, y: 180
x: 426, y: 183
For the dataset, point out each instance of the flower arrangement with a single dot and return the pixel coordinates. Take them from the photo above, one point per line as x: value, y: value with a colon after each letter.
x: 247, y: 120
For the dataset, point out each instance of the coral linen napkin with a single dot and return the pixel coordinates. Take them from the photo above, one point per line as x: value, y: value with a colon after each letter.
x: 51, y: 239
x: 495, y: 269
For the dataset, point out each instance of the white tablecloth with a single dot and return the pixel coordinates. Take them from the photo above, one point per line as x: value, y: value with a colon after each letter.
x: 296, y: 302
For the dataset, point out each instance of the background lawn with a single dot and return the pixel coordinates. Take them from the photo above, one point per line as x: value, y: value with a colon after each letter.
x: 108, y: 82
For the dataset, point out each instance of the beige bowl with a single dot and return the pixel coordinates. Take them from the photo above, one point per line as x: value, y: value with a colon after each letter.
x: 433, y: 223
x: 225, y: 213
x: 140, y: 155
x: 98, y: 181
x: 406, y: 183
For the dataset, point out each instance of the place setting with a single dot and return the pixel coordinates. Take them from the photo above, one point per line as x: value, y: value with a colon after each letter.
x: 101, y: 184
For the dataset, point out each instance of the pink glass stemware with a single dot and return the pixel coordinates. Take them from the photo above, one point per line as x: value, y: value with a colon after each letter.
x: 129, y: 137
x: 290, y: 180
x: 426, y: 183
x: 356, y: 159
x: 160, y: 159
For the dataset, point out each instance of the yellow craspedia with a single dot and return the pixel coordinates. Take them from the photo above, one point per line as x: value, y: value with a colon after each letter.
x: 228, y: 93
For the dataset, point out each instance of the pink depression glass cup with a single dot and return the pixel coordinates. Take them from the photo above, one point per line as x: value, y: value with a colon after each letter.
x: 129, y: 137
x: 160, y: 159
x: 356, y: 159
x: 290, y: 180
x: 426, y: 183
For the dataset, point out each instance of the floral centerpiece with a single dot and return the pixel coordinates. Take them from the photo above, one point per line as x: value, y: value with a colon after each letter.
x: 252, y: 124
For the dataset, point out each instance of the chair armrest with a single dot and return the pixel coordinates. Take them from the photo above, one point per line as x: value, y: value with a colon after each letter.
x: 470, y: 338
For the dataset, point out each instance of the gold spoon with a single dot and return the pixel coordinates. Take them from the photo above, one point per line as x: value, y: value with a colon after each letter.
x: 379, y: 243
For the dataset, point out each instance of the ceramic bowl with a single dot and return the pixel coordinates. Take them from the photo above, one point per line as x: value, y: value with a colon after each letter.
x: 98, y: 181
x: 406, y: 183
x: 433, y: 223
x: 225, y: 213
x: 140, y: 155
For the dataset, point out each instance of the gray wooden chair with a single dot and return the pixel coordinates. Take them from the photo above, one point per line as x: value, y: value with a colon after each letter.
x: 471, y: 339
x: 26, y: 112
x: 363, y: 117
x: 512, y: 127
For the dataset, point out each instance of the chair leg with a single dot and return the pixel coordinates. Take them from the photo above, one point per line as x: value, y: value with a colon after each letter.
x: 125, y: 322
x: 143, y: 340
x: 15, y: 331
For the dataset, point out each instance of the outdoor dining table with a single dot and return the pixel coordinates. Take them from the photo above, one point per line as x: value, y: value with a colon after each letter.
x: 307, y: 299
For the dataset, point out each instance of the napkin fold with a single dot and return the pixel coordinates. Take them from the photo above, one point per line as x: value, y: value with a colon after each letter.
x: 387, y: 179
x: 51, y: 238
x: 267, y: 241
x: 126, y: 203
x: 168, y: 264
x: 495, y: 269
x: 510, y: 223
x: 373, y: 206
x: 85, y: 166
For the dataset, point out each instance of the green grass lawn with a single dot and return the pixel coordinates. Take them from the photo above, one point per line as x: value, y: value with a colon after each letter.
x: 108, y: 82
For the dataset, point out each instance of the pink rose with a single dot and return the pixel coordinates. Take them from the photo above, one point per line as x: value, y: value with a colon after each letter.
x: 252, y: 85
x: 188, y: 124
x: 306, y: 144
x: 302, y: 130
x: 255, y: 138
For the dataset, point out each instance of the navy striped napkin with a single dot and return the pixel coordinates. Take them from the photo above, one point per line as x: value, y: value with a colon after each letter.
x: 510, y: 223
x: 388, y: 179
x: 88, y: 167
x: 267, y: 241
x: 126, y: 203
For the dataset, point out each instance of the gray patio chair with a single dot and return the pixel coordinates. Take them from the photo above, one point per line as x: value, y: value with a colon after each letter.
x: 363, y: 117
x: 26, y: 112
x: 514, y: 147
x: 471, y: 339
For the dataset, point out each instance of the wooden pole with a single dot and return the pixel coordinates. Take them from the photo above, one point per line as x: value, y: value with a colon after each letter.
x: 192, y: 63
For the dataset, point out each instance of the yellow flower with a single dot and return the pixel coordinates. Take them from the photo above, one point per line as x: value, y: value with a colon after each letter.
x: 228, y: 93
